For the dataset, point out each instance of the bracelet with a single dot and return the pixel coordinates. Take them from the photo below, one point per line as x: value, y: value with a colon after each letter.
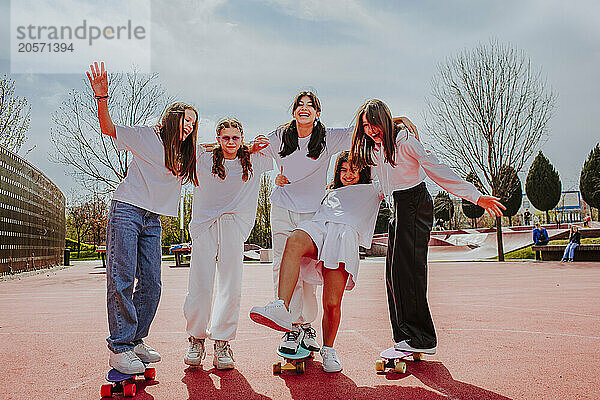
x: 101, y: 97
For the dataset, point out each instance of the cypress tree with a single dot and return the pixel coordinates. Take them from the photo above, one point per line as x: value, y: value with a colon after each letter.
x: 443, y: 207
x: 589, y: 180
x: 543, y: 186
x: 472, y: 211
x: 512, y: 194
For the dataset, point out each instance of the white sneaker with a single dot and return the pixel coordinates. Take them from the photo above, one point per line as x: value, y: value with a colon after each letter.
x: 195, y: 353
x: 291, y: 340
x: 404, y: 346
x: 309, y: 341
x: 223, y: 355
x: 331, y: 362
x: 126, y: 362
x: 274, y: 315
x: 146, y: 353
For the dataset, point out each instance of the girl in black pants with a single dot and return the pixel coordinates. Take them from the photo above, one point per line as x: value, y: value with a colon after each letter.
x: 401, y: 164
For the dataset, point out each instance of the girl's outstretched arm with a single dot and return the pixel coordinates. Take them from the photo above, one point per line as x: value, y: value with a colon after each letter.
x: 99, y: 82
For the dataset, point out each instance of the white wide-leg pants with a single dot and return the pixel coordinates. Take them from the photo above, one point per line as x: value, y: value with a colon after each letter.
x: 303, y: 305
x: 220, y: 249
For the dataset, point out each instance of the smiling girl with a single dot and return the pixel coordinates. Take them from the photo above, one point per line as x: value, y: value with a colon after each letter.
x: 302, y: 151
x: 344, y: 221
x: 401, y: 164
x: 223, y: 213
x: 161, y: 163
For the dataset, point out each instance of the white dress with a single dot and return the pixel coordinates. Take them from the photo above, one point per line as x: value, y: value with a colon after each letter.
x: 344, y: 221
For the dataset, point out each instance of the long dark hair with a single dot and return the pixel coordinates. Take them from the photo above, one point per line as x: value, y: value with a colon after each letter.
x: 180, y: 157
x: 364, y: 176
x: 377, y: 114
x: 289, y: 135
x: 243, y: 152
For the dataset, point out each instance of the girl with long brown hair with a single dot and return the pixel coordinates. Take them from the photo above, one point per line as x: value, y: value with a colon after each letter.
x: 302, y: 151
x: 223, y: 213
x: 401, y: 164
x: 161, y: 163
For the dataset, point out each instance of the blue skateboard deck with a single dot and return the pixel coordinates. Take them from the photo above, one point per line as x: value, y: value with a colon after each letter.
x: 394, y: 359
x: 293, y: 362
x: 124, y: 383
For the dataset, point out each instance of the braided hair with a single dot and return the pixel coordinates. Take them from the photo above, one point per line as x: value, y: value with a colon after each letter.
x: 243, y: 152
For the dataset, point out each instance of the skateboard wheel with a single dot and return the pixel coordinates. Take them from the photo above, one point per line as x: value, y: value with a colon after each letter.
x: 417, y: 356
x: 106, y: 391
x: 400, y: 366
x: 276, y: 368
x: 129, y: 390
x: 300, y: 367
x: 150, y: 374
x: 380, y: 365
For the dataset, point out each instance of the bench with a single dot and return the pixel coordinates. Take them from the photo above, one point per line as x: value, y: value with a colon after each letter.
x: 554, y: 252
x: 180, y: 250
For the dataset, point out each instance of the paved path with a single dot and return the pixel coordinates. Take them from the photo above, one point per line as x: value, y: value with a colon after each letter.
x: 506, y: 331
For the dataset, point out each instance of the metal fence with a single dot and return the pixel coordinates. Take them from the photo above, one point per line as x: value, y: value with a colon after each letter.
x: 32, y: 217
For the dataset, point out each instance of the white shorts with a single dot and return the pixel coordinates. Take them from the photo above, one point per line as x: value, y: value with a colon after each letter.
x: 336, y: 243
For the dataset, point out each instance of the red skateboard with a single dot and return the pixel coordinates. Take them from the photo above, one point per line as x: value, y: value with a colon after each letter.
x: 124, y: 383
x: 394, y: 359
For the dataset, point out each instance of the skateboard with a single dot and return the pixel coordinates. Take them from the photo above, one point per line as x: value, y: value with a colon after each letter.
x: 393, y: 359
x: 124, y: 383
x: 293, y: 362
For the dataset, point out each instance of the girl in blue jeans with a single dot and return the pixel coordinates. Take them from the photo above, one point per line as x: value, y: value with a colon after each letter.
x: 574, y: 241
x: 161, y: 163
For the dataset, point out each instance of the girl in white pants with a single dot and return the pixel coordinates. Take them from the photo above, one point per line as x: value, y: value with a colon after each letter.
x: 223, y: 213
x: 302, y: 150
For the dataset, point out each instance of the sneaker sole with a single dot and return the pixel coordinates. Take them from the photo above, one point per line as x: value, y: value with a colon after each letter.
x: 262, y: 320
x: 192, y: 363
x: 286, y: 350
x: 331, y: 372
x: 220, y: 368
x: 424, y: 351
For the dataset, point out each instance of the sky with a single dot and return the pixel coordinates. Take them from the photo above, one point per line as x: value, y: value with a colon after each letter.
x: 248, y: 59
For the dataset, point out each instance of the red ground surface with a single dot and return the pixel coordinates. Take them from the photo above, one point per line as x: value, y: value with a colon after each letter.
x: 517, y: 330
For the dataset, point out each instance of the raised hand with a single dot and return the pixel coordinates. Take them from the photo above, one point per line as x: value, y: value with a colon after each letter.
x: 281, y: 180
x: 492, y: 205
x: 98, y: 79
x: 260, y: 142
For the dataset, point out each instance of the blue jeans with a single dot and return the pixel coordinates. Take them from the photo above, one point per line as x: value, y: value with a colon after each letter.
x: 570, y: 251
x: 133, y: 251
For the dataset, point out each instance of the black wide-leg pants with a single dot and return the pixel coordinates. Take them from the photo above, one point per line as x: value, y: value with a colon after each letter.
x: 406, y: 267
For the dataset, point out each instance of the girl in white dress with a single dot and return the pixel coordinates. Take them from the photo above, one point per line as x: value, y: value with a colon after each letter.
x: 331, y: 238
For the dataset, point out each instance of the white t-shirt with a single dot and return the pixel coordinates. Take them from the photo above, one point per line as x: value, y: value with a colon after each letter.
x: 148, y: 184
x: 353, y: 205
x: 214, y: 196
x: 413, y: 165
x: 307, y: 177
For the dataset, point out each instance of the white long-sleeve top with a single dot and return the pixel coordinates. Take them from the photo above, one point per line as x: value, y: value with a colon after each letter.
x: 413, y: 165
x: 149, y: 184
x: 353, y: 205
x: 214, y: 196
x: 308, y: 177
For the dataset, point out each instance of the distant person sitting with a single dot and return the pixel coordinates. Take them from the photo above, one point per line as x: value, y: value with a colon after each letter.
x: 527, y: 216
x: 574, y: 241
x: 540, y: 235
x: 586, y: 221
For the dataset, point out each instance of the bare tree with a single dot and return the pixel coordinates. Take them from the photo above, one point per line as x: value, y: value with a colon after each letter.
x: 78, y: 222
x: 14, y: 116
x: 135, y: 99
x: 489, y: 108
x: 261, y: 232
